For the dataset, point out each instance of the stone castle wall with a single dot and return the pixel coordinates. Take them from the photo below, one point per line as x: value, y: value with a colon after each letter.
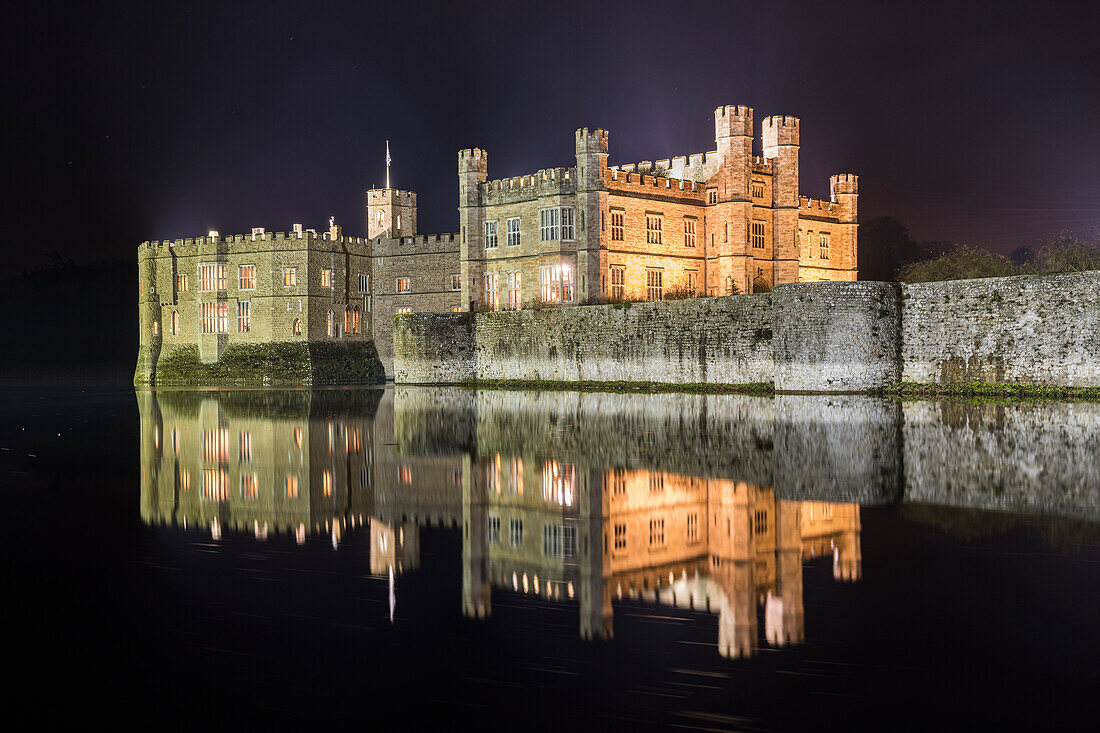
x: 821, y: 337
x: 1028, y: 330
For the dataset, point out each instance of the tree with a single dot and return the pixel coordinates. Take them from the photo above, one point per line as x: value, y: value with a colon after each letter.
x: 961, y: 263
x: 1067, y: 253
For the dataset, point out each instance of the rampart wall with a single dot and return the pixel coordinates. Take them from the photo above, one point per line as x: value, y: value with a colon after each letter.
x: 811, y: 337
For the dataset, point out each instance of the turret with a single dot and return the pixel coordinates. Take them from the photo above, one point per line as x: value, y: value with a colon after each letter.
x: 592, y: 147
x: 780, y: 133
x: 844, y: 190
x: 728, y: 222
x: 472, y: 172
x: 391, y: 213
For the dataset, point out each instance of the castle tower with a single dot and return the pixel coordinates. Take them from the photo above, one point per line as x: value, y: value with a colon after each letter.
x: 733, y: 564
x: 844, y: 191
x: 728, y: 220
x: 595, y: 572
x: 781, y: 146
x: 476, y: 589
x: 391, y: 213
x: 592, y: 147
x: 784, y: 617
x: 472, y: 172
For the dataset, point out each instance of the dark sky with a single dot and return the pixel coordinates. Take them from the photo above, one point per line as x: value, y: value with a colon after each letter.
x: 969, y: 122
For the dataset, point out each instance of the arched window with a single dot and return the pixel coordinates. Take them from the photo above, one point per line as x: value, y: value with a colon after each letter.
x: 156, y: 327
x: 355, y: 322
x: 297, y: 326
x: 175, y: 322
x: 347, y: 320
x: 760, y: 285
x: 331, y: 323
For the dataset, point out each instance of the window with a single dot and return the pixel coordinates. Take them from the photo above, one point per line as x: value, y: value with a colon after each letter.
x: 330, y: 324
x: 183, y: 283
x: 823, y: 245
x: 757, y: 189
x: 404, y: 310
x: 364, y: 283
x: 569, y: 540
x: 175, y: 322
x: 758, y: 234
x: 618, y: 482
x: 156, y: 327
x: 549, y: 224
x: 653, y: 229
x: 405, y: 475
x: 689, y: 232
x: 215, y: 484
x: 326, y: 483
x: 616, y: 226
x: 456, y: 309
x: 215, y: 317
x: 246, y: 277
x: 760, y: 522
x: 691, y: 281
x: 513, y: 232
x: 556, y: 284
x: 456, y: 282
x: 249, y: 484
x: 292, y: 487
x: 213, y: 277
x: 559, y: 482
x: 515, y: 290
x: 657, y: 532
x: 551, y: 540
x: 404, y: 285
x: 712, y: 195
x: 297, y: 326
x: 326, y: 278
x: 298, y: 436
x: 490, y: 235
x: 515, y: 532
x: 515, y: 474
x: 494, y: 530
x: 568, y: 231
x: 618, y: 283
x: 244, y: 316
x: 693, y: 527
x: 492, y: 295
x: 244, y: 445
x: 620, y: 536
x: 351, y: 319
x: 290, y: 277
x: 654, y: 285
x: 656, y: 481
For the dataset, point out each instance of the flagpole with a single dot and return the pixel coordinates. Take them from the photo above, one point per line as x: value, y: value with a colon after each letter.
x: 387, y: 164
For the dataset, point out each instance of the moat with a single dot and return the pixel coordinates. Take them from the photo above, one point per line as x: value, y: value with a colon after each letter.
x: 414, y: 556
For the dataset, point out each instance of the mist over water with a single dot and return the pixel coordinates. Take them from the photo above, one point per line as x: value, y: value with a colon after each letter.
x: 414, y: 556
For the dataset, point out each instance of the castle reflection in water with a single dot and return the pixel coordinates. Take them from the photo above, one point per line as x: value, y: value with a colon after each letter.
x: 562, y: 527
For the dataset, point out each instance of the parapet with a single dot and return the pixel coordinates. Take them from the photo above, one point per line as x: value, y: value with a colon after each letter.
x: 732, y: 121
x: 248, y: 242
x: 780, y: 130
x: 419, y: 244
x: 390, y: 195
x: 520, y: 188
x: 817, y: 208
x: 627, y: 181
x: 592, y: 141
x: 843, y: 183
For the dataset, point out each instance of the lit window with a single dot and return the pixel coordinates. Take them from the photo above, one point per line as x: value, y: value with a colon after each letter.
x: 249, y: 486
x: 654, y: 285
x: 215, y: 445
x: 712, y: 195
x: 326, y: 483
x: 246, y: 277
x: 298, y: 436
x: 405, y: 475
x: 330, y: 324
x: 549, y: 224
x: 215, y: 317
x: 492, y: 296
x: 556, y: 284
x: 290, y: 277
x: 513, y: 232
x: 616, y: 226
x: 455, y: 309
x: 758, y: 234
x: 297, y: 326
x: 244, y: 316
x: 213, y: 277
x: 351, y: 319
x: 405, y: 309
x: 515, y: 474
x: 404, y: 284
x: 326, y: 278
x: 653, y: 229
x: 515, y: 290
x: 215, y: 484
x: 456, y: 282
x: 568, y: 231
x: 689, y: 232
x: 490, y: 235
x: 823, y: 245
x: 183, y: 283
x: 292, y: 487
x: 559, y: 483
x: 618, y: 283
x: 156, y: 327
x: 184, y: 478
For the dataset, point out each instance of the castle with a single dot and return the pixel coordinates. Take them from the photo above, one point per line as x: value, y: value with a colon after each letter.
x: 702, y: 225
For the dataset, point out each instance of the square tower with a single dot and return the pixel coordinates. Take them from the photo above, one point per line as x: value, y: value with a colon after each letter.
x: 391, y: 213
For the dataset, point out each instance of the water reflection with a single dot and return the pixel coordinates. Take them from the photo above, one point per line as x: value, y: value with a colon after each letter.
x: 713, y: 503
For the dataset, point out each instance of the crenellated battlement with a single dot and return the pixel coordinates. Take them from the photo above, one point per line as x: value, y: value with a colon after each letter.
x: 761, y: 164
x: 779, y: 130
x: 419, y: 244
x: 594, y: 140
x: 817, y: 207
x: 693, y: 167
x: 732, y: 120
x: 627, y: 181
x: 843, y: 183
x: 379, y: 195
x: 471, y: 156
x: 545, y: 182
x: 297, y: 238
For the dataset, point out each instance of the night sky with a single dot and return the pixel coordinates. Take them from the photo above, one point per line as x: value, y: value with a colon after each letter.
x: 969, y: 122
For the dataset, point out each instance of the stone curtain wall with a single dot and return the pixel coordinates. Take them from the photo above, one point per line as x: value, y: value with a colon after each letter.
x: 808, y: 337
x: 836, y: 337
x: 1028, y: 330
x: 705, y: 341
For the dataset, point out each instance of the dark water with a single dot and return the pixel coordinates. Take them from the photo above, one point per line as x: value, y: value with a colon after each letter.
x: 413, y: 557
